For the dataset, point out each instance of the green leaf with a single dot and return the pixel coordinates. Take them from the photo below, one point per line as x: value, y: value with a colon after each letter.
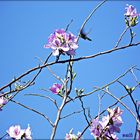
x: 74, y: 75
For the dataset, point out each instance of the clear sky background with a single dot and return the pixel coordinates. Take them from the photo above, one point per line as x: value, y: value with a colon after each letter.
x: 24, y: 29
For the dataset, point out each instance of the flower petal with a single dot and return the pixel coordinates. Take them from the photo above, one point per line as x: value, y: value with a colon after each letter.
x: 55, y: 52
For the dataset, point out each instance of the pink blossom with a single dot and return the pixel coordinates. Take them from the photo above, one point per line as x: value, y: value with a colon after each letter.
x: 131, y: 11
x: 62, y: 43
x: 131, y: 14
x: 71, y: 136
x: 108, y: 126
x: 3, y: 101
x: 15, y: 132
x: 96, y: 128
x: 28, y: 133
x: 56, y: 88
x: 115, y: 112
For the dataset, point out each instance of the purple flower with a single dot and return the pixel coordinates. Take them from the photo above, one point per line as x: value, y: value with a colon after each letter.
x: 108, y: 126
x: 115, y: 119
x: 109, y: 136
x: 15, y: 132
x: 105, y: 121
x: 96, y: 128
x: 131, y: 11
x: 62, y: 43
x: 3, y: 101
x: 56, y: 88
x: 115, y: 112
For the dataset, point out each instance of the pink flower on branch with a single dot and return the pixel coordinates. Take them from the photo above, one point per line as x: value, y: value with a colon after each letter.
x: 56, y: 88
x: 131, y: 15
x: 71, y: 136
x: 131, y: 11
x: 109, y: 124
x: 3, y: 101
x: 16, y: 133
x: 62, y: 43
x: 27, y: 133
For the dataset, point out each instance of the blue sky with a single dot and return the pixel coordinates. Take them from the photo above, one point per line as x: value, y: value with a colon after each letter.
x: 24, y: 29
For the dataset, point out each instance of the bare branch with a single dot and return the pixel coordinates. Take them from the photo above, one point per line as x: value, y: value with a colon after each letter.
x: 112, y: 82
x: 136, y: 130
x: 136, y: 79
x: 133, y: 114
x: 84, y: 110
x: 132, y: 99
x: 57, y: 77
x: 68, y: 60
x: 121, y: 36
x: 69, y: 25
x: 76, y: 112
x: 33, y: 110
x: 18, y: 90
x: 58, y: 118
x: 3, y: 136
x: 47, y: 97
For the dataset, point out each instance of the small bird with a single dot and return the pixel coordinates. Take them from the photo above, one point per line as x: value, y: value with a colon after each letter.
x: 84, y: 35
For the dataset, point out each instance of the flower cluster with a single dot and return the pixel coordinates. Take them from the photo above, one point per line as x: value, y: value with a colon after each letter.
x: 56, y: 88
x: 110, y: 124
x: 16, y: 133
x: 71, y: 136
x: 3, y: 101
x: 62, y: 43
x: 131, y: 15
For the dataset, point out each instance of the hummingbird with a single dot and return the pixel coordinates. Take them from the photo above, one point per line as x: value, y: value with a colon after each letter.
x: 84, y: 35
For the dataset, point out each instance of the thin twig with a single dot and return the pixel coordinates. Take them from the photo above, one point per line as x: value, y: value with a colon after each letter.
x: 84, y: 110
x: 18, y: 90
x: 71, y: 75
x: 112, y: 82
x: 3, y: 136
x: 75, y: 112
x: 43, y: 96
x: 57, y: 77
x: 136, y: 79
x: 69, y: 25
x: 133, y: 114
x: 121, y: 36
x: 136, y: 130
x: 26, y: 73
x: 89, y: 16
x: 37, y: 74
x: 33, y: 110
x: 99, y: 109
x: 132, y: 35
x: 132, y: 99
